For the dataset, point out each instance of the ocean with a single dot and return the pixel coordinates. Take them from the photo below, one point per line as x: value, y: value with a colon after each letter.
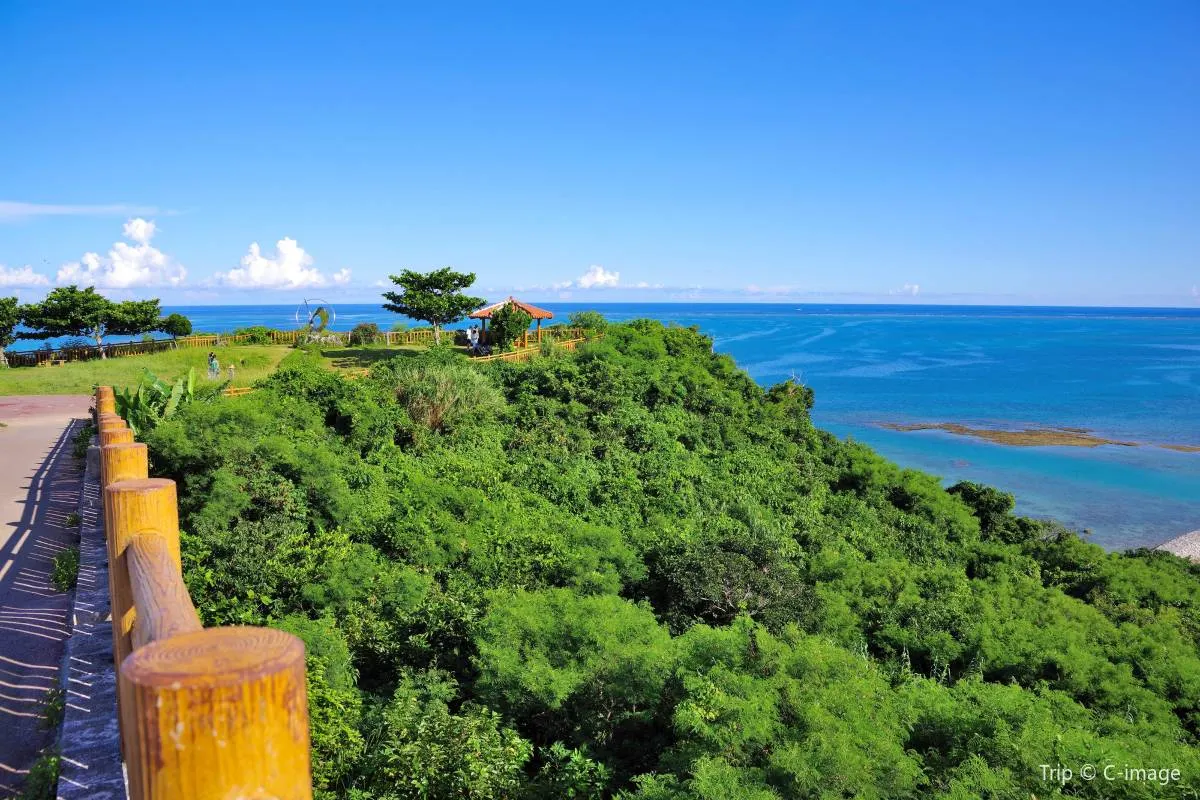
x: 1121, y: 374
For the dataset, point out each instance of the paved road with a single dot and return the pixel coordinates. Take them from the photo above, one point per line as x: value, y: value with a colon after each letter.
x: 39, y: 488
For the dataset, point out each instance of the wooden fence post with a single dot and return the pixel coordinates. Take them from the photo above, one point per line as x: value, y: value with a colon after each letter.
x: 126, y: 461
x: 115, y: 435
x: 105, y: 401
x: 212, y: 714
x: 135, y: 508
x: 220, y: 713
x: 109, y: 419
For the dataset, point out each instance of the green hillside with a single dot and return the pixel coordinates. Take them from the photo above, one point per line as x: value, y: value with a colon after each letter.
x: 632, y: 572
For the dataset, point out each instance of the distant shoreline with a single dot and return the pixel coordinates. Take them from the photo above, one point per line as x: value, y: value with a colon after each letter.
x: 1033, y: 437
x: 1186, y: 546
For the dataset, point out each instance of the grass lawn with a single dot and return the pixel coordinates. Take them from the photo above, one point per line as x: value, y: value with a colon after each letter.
x: 360, y: 357
x: 250, y: 362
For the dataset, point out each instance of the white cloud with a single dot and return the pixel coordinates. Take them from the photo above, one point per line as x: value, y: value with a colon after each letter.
x: 598, y: 277
x: 23, y: 276
x: 13, y: 210
x: 139, y: 230
x: 562, y: 285
x: 290, y: 268
x: 126, y: 266
x: 909, y: 288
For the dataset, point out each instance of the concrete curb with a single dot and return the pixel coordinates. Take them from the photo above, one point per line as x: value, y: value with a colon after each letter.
x: 89, y: 742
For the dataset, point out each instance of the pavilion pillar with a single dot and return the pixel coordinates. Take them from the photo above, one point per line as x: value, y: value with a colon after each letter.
x: 539, y: 331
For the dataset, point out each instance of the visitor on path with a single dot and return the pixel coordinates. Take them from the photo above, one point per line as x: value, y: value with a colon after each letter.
x: 214, y: 367
x: 231, y: 373
x: 473, y: 340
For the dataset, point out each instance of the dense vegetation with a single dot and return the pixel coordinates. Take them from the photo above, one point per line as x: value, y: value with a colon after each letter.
x: 632, y: 572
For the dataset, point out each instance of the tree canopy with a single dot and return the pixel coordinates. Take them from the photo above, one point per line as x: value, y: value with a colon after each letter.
x: 135, y: 317
x: 631, y: 572
x: 71, y: 311
x: 435, y: 297
x: 509, y: 323
x: 10, y: 318
x: 175, y: 325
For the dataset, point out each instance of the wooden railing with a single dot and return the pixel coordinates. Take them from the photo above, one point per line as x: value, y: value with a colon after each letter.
x: 46, y: 356
x: 526, y: 353
x: 204, y: 713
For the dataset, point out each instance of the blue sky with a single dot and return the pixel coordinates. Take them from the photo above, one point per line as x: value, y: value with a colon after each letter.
x: 996, y: 152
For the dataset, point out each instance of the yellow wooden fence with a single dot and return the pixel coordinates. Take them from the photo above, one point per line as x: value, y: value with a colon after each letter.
x: 204, y: 713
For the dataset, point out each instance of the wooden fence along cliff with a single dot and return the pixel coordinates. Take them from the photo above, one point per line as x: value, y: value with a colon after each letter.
x: 47, y: 356
x: 204, y: 713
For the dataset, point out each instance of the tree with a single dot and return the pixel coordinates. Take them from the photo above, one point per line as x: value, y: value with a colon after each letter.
x: 10, y: 317
x: 135, y: 317
x: 71, y: 311
x: 508, y: 324
x: 434, y: 297
x: 175, y: 325
x: 589, y: 321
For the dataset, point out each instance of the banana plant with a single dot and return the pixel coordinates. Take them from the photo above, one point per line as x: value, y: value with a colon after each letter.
x: 154, y: 400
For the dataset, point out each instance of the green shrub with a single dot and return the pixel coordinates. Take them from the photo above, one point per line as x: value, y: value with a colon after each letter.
x: 590, y: 321
x: 42, y: 781
x: 365, y: 333
x: 53, y: 707
x: 257, y: 334
x: 65, y: 570
x: 440, y: 395
x: 509, y: 323
x: 83, y: 440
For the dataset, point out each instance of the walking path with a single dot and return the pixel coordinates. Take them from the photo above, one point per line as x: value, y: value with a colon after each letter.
x: 39, y: 489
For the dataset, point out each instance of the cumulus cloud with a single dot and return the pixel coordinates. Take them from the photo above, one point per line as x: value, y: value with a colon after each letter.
x: 21, y: 277
x: 14, y: 210
x: 598, y: 277
x: 139, y: 230
x: 126, y: 266
x: 289, y: 268
x: 910, y: 289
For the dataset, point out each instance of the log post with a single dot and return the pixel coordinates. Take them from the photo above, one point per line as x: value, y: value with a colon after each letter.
x: 115, y: 435
x: 105, y: 402
x: 164, y: 608
x: 124, y: 462
x: 109, y: 420
x: 145, y: 507
x: 219, y: 713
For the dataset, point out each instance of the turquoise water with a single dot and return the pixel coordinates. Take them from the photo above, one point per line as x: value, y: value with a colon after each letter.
x: 1129, y: 374
x: 1123, y: 374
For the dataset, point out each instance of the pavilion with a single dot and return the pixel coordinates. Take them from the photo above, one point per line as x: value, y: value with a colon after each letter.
x: 485, y: 313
